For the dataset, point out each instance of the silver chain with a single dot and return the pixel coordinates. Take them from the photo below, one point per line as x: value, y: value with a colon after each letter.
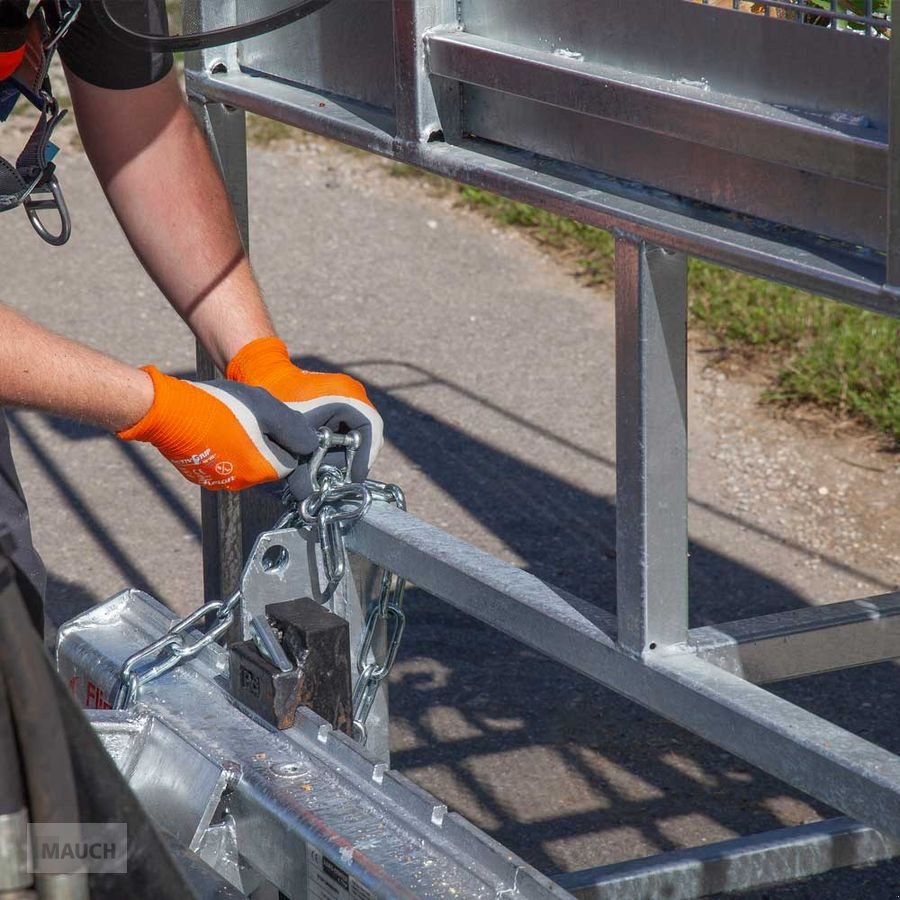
x: 335, y: 504
x: 173, y: 648
x: 387, y: 609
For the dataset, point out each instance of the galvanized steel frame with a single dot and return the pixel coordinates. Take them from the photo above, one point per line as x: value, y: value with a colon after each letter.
x: 260, y: 805
x: 472, y: 91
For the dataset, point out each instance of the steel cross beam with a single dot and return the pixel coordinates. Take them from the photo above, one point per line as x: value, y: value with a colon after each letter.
x: 740, y: 864
x: 804, y: 641
x: 827, y: 762
x: 801, y: 259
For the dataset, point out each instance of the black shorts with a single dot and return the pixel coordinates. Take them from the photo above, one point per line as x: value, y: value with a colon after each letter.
x: 93, y: 53
x: 14, y: 520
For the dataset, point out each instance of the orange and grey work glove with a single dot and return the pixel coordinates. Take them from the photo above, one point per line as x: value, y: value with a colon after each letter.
x: 334, y: 401
x: 222, y: 435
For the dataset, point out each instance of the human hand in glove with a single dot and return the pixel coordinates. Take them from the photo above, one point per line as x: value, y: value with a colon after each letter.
x: 333, y: 401
x: 223, y: 435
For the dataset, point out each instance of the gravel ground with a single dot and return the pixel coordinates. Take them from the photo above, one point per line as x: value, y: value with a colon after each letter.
x: 493, y: 368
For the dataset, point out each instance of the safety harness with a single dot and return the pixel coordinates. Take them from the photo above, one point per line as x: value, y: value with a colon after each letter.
x: 27, y: 46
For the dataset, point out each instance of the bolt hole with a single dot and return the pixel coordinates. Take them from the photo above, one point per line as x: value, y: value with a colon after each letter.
x: 275, y: 558
x: 652, y: 645
x: 218, y: 68
x: 288, y: 770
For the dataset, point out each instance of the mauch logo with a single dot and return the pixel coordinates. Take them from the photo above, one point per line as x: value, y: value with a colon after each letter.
x: 61, y: 848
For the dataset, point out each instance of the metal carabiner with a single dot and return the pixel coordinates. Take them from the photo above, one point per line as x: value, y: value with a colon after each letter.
x: 329, y: 441
x: 57, y: 203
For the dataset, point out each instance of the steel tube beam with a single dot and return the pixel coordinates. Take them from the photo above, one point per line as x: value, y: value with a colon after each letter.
x: 852, y: 275
x: 808, y: 752
x: 688, y: 111
x: 225, y: 132
x: 761, y: 860
x: 651, y: 447
x: 804, y: 641
x: 230, y: 522
x: 221, y: 512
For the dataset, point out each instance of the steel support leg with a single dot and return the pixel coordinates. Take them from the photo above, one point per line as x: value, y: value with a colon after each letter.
x: 230, y: 523
x: 651, y: 446
x: 223, y: 126
x: 221, y: 513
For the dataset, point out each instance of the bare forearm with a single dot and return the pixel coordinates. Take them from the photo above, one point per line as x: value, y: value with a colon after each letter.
x: 156, y: 170
x: 41, y: 370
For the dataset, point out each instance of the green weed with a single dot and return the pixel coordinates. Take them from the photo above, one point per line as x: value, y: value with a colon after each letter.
x: 840, y: 358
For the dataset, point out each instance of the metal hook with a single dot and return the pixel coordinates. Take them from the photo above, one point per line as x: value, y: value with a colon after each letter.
x: 55, y: 202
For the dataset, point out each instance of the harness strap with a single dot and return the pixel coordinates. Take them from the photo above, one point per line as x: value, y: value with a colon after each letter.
x: 31, y: 180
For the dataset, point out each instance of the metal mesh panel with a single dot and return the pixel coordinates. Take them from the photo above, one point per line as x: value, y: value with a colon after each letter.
x: 871, y: 18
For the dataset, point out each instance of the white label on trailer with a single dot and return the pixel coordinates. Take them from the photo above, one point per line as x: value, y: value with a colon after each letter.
x: 328, y: 881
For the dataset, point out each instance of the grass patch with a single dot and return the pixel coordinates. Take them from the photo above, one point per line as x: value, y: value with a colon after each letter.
x: 848, y: 363
x: 263, y: 132
x: 837, y: 357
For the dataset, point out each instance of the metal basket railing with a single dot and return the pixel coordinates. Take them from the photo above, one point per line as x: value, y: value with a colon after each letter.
x: 871, y: 18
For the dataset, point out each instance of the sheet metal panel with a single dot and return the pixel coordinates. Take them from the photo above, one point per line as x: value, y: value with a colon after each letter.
x: 750, y: 56
x: 347, y: 48
x: 838, y: 146
x: 850, y: 212
x: 285, y: 792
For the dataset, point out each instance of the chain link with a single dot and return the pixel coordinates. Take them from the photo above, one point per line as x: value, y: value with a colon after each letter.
x: 388, y: 608
x: 335, y: 504
x: 173, y: 648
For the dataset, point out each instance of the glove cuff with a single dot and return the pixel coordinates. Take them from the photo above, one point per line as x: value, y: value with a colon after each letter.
x: 154, y: 426
x: 255, y: 362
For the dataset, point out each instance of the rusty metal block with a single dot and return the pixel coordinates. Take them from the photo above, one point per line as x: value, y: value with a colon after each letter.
x: 317, y: 642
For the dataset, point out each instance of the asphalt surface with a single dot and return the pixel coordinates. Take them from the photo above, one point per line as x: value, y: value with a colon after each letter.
x: 493, y: 369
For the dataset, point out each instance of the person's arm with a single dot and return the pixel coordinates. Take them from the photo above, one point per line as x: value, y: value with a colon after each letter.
x: 166, y: 191
x: 44, y: 371
x: 219, y: 434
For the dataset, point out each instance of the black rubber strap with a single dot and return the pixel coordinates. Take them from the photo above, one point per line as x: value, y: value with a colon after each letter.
x: 215, y: 38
